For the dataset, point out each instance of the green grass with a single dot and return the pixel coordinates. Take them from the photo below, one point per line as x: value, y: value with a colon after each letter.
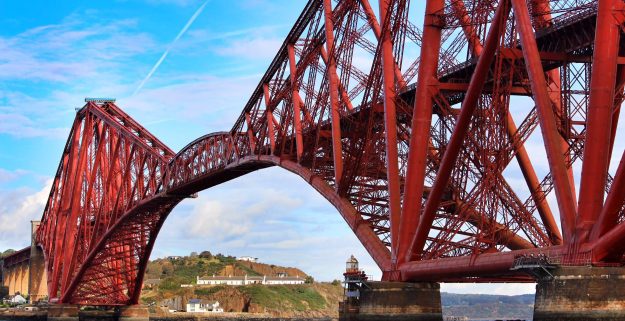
x: 247, y: 270
x: 171, y: 283
x: 277, y: 297
x: 174, y: 273
x: 189, y: 272
x: 209, y: 290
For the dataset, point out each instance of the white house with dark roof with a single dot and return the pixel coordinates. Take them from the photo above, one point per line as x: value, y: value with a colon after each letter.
x: 247, y: 258
x: 203, y: 306
x: 247, y: 280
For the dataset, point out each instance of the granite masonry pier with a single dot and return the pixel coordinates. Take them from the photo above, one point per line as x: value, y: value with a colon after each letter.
x: 581, y: 293
x: 397, y: 301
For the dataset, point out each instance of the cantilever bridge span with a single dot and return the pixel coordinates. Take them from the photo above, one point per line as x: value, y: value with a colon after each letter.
x: 421, y: 154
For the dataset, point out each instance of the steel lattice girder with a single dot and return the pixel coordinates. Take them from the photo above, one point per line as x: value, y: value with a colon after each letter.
x: 419, y: 168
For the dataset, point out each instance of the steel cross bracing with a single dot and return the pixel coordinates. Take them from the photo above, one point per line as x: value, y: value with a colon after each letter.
x: 425, y: 155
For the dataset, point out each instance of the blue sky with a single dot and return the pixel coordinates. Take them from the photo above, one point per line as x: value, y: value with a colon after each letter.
x: 54, y: 54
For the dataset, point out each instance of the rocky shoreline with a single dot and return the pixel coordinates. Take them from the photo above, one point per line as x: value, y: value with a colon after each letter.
x: 99, y: 316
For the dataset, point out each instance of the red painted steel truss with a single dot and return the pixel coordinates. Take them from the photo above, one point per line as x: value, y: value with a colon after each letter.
x: 425, y: 155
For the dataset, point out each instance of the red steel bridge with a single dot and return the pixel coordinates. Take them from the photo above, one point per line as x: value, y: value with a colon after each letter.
x: 417, y: 135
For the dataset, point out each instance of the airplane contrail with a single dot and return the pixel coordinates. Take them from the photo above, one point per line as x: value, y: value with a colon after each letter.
x: 160, y: 60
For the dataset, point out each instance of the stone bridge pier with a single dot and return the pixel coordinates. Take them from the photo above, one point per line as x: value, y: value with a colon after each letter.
x: 396, y: 301
x: 581, y: 293
x: 24, y: 270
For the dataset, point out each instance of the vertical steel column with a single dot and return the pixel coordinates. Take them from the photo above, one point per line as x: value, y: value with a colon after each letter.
x: 76, y: 196
x: 342, y: 91
x: 250, y: 133
x: 337, y: 148
x: 295, y: 100
x: 618, y: 101
x: 462, y: 124
x: 566, y: 199
x: 64, y: 208
x: 390, y: 126
x: 522, y: 157
x: 613, y: 241
x: 421, y: 123
x: 377, y: 31
x: 599, y: 119
x: 467, y: 27
x: 608, y: 218
x: 269, y: 118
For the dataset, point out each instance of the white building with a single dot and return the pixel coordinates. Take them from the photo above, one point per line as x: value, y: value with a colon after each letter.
x: 247, y: 258
x: 18, y: 299
x: 247, y: 280
x: 202, y: 306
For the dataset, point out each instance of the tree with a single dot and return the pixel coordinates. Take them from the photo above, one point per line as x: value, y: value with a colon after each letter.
x: 193, y: 254
x: 336, y: 283
x: 206, y: 255
x: 167, y: 269
x: 309, y: 280
x: 7, y: 253
x: 4, y: 291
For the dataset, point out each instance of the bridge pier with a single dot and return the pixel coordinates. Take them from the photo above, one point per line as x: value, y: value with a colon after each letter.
x: 134, y: 313
x: 71, y: 312
x: 581, y: 293
x: 397, y: 301
x: 63, y: 312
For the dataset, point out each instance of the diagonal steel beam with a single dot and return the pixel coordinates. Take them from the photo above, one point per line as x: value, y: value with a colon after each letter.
x: 460, y: 130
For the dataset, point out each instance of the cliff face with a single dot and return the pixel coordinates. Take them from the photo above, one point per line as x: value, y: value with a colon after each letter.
x: 318, y: 300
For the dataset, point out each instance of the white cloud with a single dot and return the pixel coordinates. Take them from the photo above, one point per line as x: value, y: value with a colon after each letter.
x: 60, y: 64
x: 17, y: 208
x: 21, y: 126
x: 236, y: 215
x: 258, y: 48
x: 271, y: 214
x: 70, y: 50
x: 8, y: 176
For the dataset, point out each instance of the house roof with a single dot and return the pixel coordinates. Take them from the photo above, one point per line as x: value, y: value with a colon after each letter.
x: 202, y: 301
x: 286, y: 278
x: 241, y: 278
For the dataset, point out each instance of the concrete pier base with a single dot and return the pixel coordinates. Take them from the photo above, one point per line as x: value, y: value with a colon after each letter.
x: 134, y: 313
x: 397, y: 301
x: 581, y: 293
x: 63, y: 312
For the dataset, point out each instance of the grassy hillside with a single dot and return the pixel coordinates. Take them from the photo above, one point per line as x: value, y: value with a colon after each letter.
x: 185, y: 270
x: 283, y: 297
x: 312, y: 300
x: 284, y: 300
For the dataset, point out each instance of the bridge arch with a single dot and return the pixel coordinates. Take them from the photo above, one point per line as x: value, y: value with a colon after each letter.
x: 213, y: 163
x: 432, y: 187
